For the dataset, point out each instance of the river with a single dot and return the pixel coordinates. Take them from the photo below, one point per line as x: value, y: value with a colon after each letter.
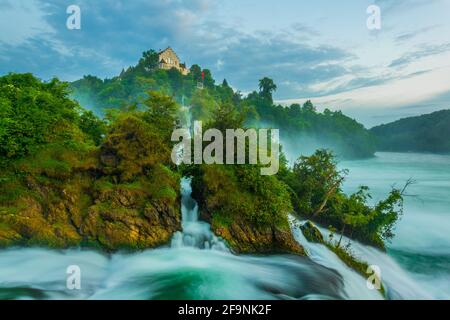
x: 198, y: 265
x: 421, y: 246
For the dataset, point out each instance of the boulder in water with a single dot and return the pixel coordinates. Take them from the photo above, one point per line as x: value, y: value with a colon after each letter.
x: 311, y: 233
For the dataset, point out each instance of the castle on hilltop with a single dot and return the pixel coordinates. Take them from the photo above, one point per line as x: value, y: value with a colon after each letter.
x: 168, y: 59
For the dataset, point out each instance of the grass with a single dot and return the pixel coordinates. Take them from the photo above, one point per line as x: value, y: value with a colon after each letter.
x: 352, y: 262
x: 221, y: 220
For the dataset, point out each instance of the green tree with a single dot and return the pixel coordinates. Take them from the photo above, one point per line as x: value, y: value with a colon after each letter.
x: 176, y: 80
x: 227, y: 116
x: 203, y: 105
x: 149, y: 60
x: 93, y: 126
x: 196, y: 72
x: 208, y: 80
x: 33, y: 113
x: 225, y: 83
x: 315, y: 184
x: 266, y: 88
x: 316, y: 180
x: 309, y: 107
x: 162, y: 112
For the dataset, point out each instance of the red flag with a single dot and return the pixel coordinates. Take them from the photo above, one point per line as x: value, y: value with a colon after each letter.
x: 203, y: 75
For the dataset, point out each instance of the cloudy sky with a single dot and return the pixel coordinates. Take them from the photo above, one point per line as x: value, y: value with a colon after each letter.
x: 320, y: 50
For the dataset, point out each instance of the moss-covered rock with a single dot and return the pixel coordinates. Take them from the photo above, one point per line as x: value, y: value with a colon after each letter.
x: 70, y: 197
x: 248, y: 210
x: 131, y: 218
x: 77, y: 212
x: 311, y: 233
x: 246, y: 238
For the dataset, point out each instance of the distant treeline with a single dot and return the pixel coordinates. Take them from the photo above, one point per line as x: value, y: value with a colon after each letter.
x: 299, y: 124
x: 425, y: 133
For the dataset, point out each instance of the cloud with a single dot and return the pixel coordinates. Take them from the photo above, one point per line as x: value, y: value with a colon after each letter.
x: 423, y: 52
x: 250, y: 57
x: 21, y: 21
x: 413, y: 34
x: 396, y: 6
x: 423, y: 92
x: 219, y: 64
x: 115, y: 33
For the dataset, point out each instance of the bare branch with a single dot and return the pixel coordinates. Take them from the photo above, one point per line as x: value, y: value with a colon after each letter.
x: 408, y: 183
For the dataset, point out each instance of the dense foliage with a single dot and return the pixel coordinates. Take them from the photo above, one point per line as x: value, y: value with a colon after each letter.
x: 107, y: 181
x: 239, y: 191
x: 132, y: 85
x: 34, y: 113
x: 303, y: 127
x: 316, y: 193
x: 425, y: 133
x: 246, y: 208
x: 69, y: 178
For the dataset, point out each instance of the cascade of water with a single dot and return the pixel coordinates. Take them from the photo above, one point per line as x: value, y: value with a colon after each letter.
x: 400, y: 284
x: 195, y: 233
x: 397, y: 281
x: 354, y: 284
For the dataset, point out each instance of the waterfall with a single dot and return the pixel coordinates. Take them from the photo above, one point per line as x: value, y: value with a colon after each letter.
x: 195, y: 233
x: 400, y: 284
x: 198, y: 265
x: 354, y: 284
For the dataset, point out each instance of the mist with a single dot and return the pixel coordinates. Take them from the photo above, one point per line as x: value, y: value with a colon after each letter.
x: 299, y: 144
x: 87, y: 103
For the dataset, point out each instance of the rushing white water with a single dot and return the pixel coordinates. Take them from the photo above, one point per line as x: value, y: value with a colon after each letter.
x: 417, y: 263
x: 399, y: 283
x: 355, y: 286
x: 166, y: 273
x: 198, y: 265
x: 195, y: 233
x: 184, y: 271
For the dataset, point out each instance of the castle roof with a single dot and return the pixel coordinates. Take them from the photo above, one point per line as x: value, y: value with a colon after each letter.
x: 169, y: 49
x: 181, y: 66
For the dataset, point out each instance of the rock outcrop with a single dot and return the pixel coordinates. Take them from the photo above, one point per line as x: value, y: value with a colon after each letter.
x: 251, y: 219
x: 245, y: 238
x: 123, y: 195
x: 311, y: 233
x: 117, y: 217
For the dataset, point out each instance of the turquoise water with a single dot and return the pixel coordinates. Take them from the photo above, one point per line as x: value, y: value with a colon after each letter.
x: 197, y: 265
x: 422, y: 242
x: 165, y: 273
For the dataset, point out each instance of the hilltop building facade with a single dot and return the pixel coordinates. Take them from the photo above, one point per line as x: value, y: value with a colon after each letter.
x: 168, y: 59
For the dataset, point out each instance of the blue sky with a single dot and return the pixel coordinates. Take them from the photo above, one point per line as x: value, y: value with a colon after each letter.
x: 319, y: 50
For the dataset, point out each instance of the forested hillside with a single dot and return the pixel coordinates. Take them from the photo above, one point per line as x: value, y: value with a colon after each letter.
x: 303, y: 129
x: 70, y: 178
x: 425, y: 133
